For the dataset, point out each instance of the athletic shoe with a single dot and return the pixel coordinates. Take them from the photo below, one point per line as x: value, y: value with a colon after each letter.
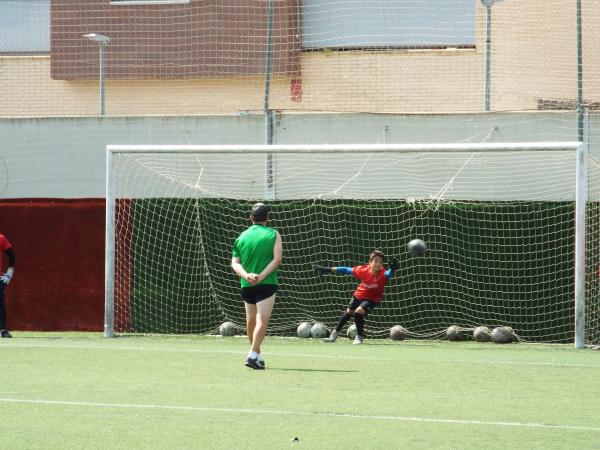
x: 332, y: 337
x: 261, y: 364
x: 5, y: 334
x: 252, y: 363
x: 358, y: 340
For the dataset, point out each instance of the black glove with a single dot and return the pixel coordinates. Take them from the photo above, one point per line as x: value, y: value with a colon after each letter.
x: 393, y: 265
x: 322, y: 270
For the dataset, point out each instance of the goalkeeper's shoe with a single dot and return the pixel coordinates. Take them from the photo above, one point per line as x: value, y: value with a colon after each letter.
x: 332, y: 337
x: 252, y: 363
x: 5, y: 334
x: 261, y: 364
x: 358, y: 340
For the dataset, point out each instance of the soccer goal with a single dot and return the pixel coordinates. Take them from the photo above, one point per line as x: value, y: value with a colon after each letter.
x: 512, y: 231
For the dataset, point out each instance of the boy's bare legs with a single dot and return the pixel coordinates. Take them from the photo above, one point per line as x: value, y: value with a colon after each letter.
x: 250, y: 320
x: 257, y: 321
x: 263, y: 315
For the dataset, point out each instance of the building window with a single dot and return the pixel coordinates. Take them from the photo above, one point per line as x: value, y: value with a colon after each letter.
x: 24, y: 26
x: 363, y: 24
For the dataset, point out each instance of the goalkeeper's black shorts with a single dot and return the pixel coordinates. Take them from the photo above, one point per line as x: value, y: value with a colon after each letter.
x: 367, y: 305
x: 255, y: 294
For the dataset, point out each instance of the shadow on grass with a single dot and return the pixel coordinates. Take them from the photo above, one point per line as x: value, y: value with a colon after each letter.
x: 312, y: 370
x: 399, y: 343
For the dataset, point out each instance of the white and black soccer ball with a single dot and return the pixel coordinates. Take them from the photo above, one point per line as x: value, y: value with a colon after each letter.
x: 227, y: 329
x: 454, y: 333
x: 503, y: 335
x: 319, y: 330
x: 398, y: 333
x: 351, y: 332
x: 482, y: 334
x: 304, y: 329
x: 417, y: 247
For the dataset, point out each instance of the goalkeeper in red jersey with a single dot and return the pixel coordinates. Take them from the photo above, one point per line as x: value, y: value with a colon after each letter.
x: 367, y: 295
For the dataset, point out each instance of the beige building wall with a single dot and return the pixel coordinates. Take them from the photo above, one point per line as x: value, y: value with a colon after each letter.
x: 534, y: 57
x: 535, y: 53
x: 28, y: 90
x: 413, y: 81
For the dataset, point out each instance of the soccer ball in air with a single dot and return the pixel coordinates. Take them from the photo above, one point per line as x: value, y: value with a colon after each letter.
x: 454, y: 333
x: 351, y: 333
x: 227, y: 329
x: 304, y: 329
x: 319, y: 330
x: 398, y: 333
x: 482, y: 334
x: 417, y: 247
x: 503, y: 335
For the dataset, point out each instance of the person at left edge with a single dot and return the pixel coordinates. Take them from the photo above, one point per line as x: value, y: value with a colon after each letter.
x: 5, y: 279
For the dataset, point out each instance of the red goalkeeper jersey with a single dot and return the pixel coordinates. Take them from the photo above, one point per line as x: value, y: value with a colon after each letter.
x: 371, y: 286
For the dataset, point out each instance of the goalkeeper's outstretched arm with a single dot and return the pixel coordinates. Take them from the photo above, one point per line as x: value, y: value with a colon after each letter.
x: 322, y: 270
x: 393, y: 266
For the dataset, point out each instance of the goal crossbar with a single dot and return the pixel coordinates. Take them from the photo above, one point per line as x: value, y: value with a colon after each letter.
x: 348, y: 148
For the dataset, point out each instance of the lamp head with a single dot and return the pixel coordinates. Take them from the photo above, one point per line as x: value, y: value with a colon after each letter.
x: 99, y: 38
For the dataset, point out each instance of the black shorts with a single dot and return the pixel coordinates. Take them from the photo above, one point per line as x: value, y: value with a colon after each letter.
x: 367, y: 305
x: 255, y: 294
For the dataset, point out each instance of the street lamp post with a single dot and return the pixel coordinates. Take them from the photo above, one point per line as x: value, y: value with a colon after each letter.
x: 488, y: 52
x: 102, y: 42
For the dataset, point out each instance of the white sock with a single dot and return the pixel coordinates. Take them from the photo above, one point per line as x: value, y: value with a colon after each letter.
x: 252, y: 355
x: 259, y: 357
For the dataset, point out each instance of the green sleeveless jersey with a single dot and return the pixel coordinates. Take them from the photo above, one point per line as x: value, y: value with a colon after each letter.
x: 254, y: 247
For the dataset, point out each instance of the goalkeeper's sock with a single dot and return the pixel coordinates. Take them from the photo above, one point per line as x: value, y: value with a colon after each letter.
x: 359, y: 320
x: 259, y: 357
x: 342, y: 322
x: 252, y: 355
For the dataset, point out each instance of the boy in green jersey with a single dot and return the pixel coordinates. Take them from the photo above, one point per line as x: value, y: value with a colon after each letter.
x: 257, y: 254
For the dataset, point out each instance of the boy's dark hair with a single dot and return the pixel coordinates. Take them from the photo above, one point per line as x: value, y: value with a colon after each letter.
x: 375, y: 253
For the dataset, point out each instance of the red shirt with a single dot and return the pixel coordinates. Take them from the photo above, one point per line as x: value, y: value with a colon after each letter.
x: 4, y: 245
x: 371, y: 286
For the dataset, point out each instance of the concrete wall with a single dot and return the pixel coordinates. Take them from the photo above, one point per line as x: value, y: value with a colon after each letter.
x: 65, y: 158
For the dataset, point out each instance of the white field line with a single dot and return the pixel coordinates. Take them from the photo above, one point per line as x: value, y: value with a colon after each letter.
x: 299, y: 413
x: 364, y: 357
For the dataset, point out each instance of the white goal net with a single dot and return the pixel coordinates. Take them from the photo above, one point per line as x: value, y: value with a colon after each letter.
x: 508, y: 228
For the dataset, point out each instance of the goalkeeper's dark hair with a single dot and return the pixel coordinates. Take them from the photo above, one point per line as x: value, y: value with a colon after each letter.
x: 376, y: 253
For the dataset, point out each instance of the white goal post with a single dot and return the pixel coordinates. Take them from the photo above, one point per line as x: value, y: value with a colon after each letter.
x: 506, y: 225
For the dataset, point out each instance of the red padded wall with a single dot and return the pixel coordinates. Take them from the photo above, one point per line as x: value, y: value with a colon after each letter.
x: 59, y: 270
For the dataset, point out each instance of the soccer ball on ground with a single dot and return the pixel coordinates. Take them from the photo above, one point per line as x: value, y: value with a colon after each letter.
x: 398, y: 333
x: 503, y: 335
x: 227, y: 329
x: 319, y: 330
x: 454, y: 333
x: 417, y: 247
x: 304, y: 329
x: 351, y: 333
x: 482, y: 334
